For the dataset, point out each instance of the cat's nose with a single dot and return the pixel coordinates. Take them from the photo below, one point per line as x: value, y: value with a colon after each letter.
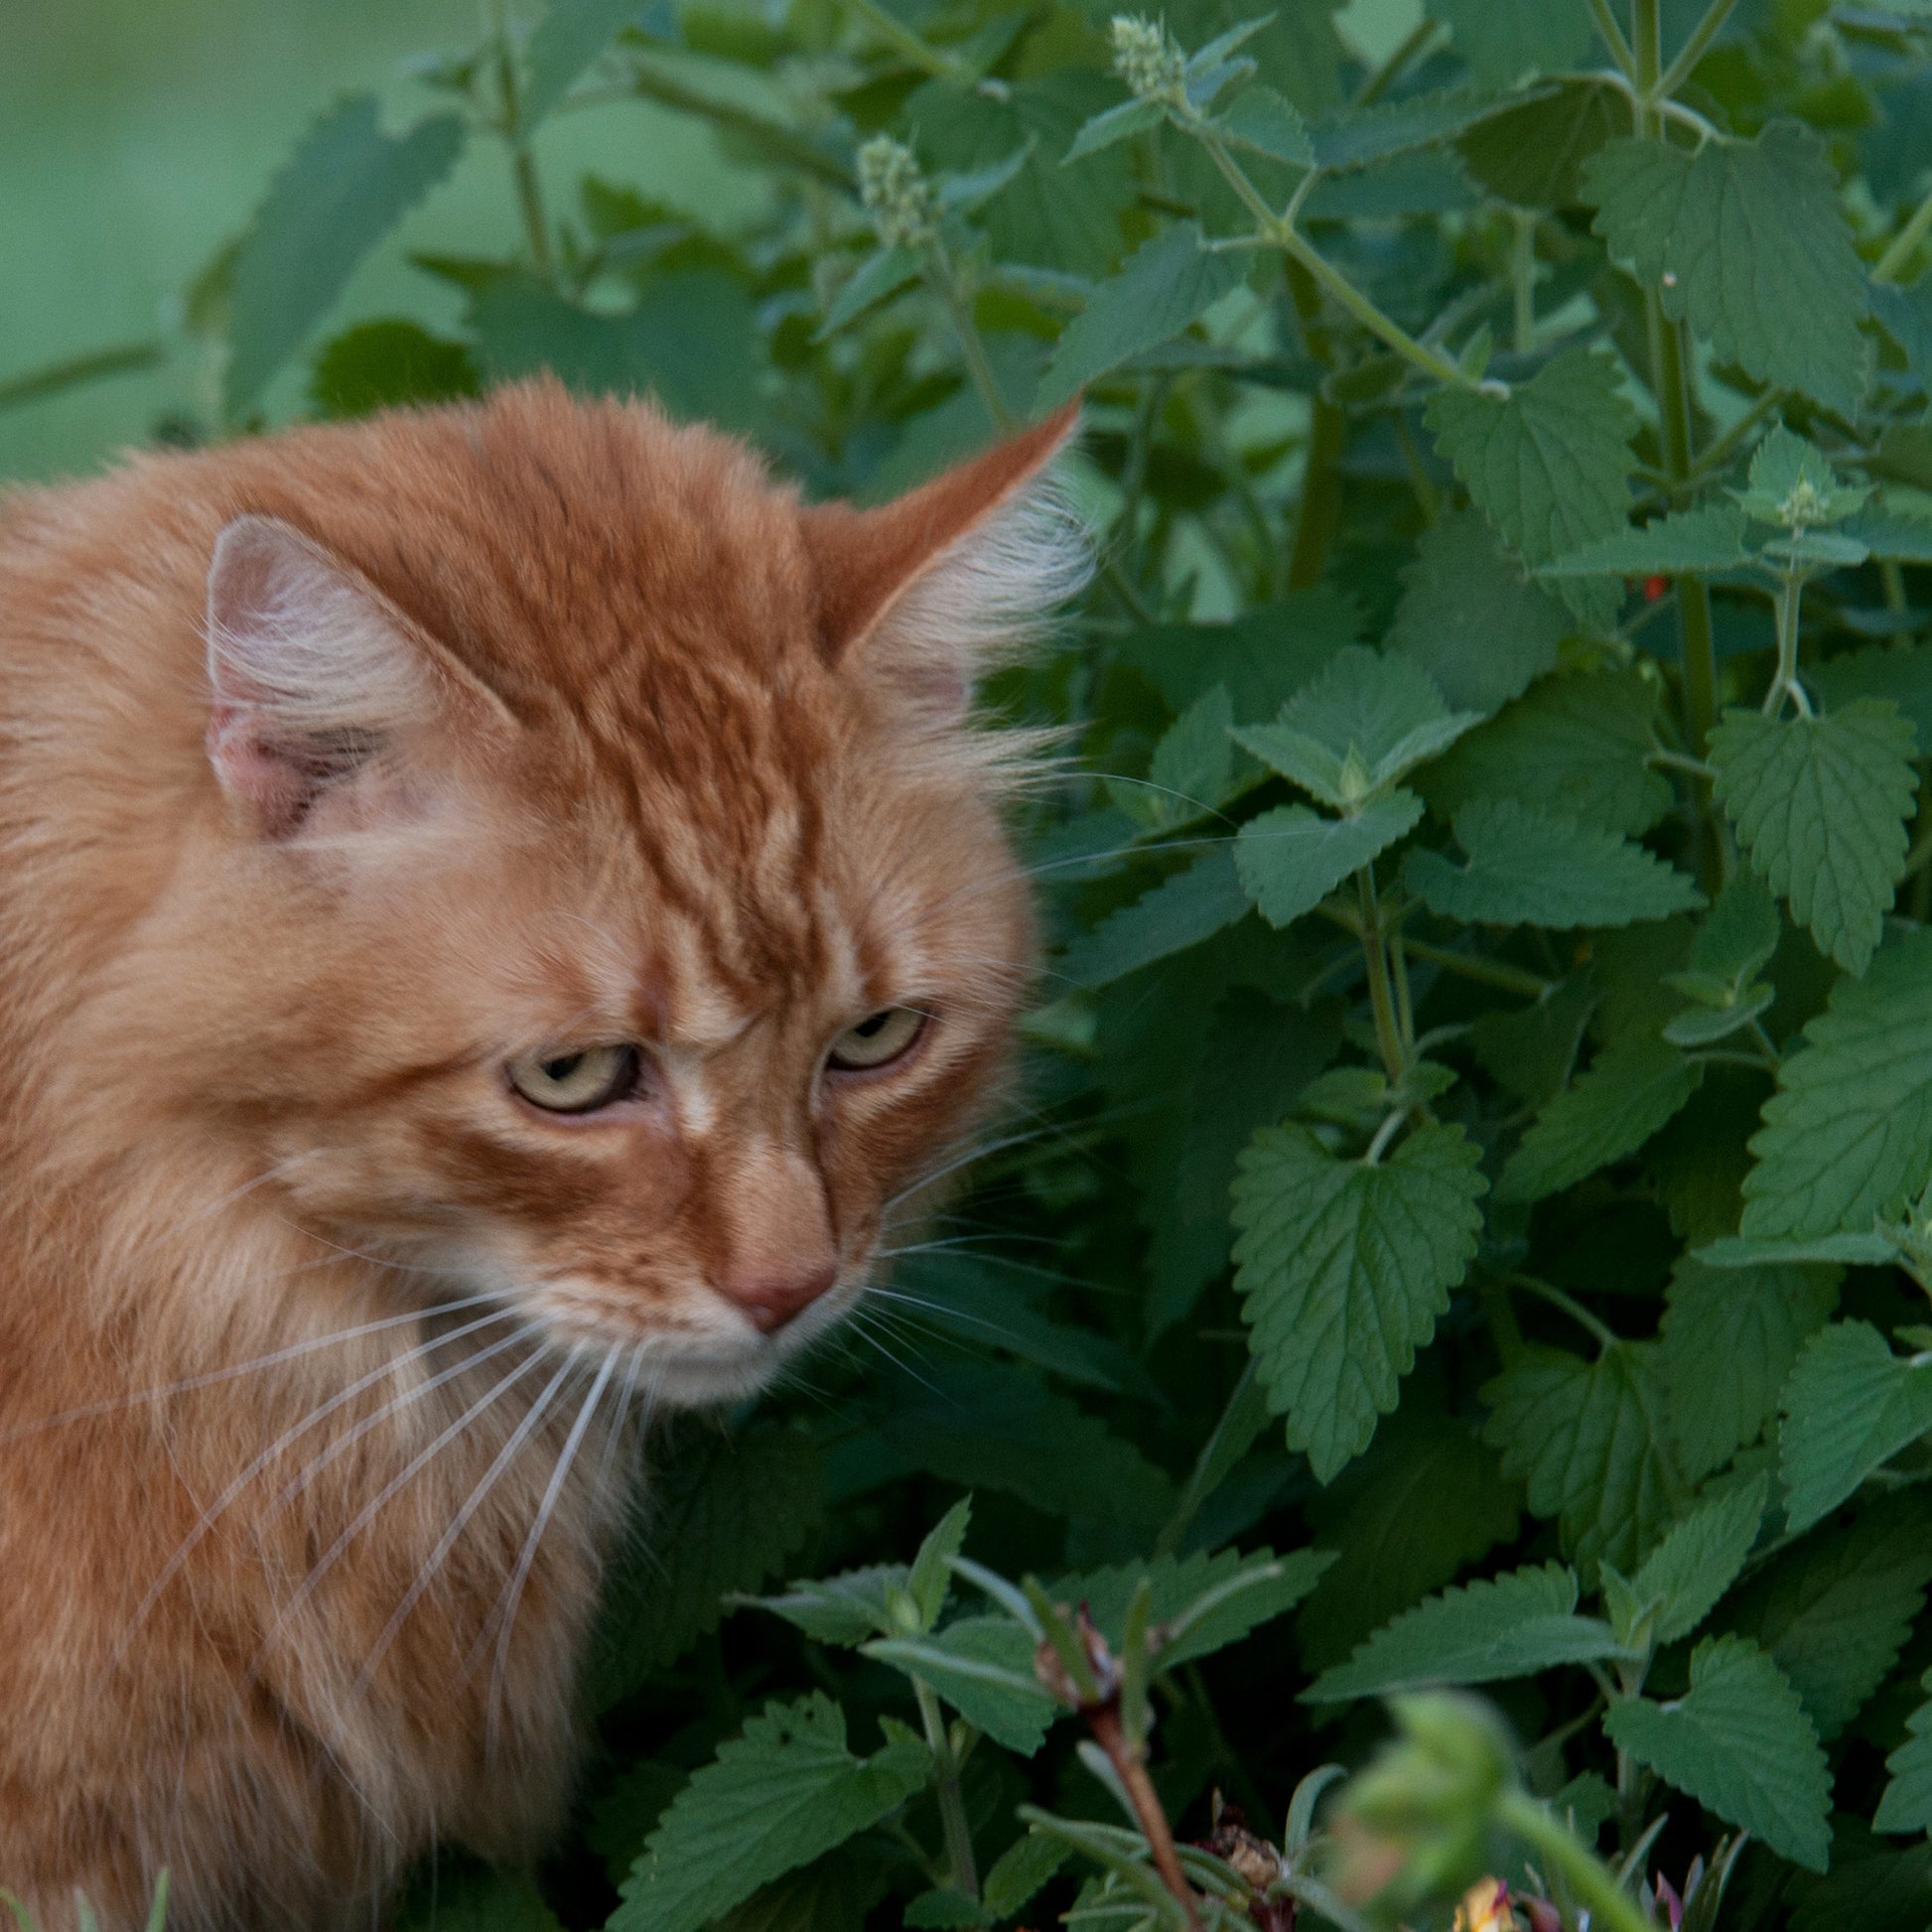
x: 772, y: 1304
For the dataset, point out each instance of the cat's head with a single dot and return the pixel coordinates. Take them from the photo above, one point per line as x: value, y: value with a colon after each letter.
x: 603, y: 900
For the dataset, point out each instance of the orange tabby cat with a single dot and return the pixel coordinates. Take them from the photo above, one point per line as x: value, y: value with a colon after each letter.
x: 498, y: 908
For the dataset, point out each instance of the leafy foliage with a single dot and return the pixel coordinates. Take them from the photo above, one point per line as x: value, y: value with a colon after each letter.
x: 1486, y: 1015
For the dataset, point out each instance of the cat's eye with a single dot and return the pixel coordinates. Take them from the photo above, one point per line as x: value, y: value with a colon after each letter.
x: 578, y: 1082
x: 879, y: 1038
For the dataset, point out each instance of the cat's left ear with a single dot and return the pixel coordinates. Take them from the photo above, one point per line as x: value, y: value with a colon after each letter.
x: 325, y: 698
x: 922, y: 592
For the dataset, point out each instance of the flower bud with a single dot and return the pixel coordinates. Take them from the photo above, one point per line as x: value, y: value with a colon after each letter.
x: 1147, y: 61
x: 898, y: 197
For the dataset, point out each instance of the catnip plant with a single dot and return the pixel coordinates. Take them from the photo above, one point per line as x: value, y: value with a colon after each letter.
x: 1476, y: 1135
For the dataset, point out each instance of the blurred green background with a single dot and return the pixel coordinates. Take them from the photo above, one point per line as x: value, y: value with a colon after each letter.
x: 136, y: 136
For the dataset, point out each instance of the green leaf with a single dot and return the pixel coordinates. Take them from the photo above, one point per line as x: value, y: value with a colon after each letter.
x: 1356, y: 727
x: 1526, y: 869
x: 1262, y: 121
x: 721, y: 1521
x: 1710, y: 539
x: 1907, y: 1803
x: 569, y: 37
x: 1747, y: 239
x: 1358, y: 137
x: 1629, y: 1091
x: 1343, y: 1269
x: 1531, y: 1050
x: 475, y: 1898
x: 1834, y: 1610
x: 930, y: 1577
x: 346, y: 186
x: 1425, y: 1500
x: 1208, y: 1601
x: 1585, y: 1436
x: 846, y: 1610
x: 1167, y: 284
x: 943, y: 1909
x: 792, y: 1773
x: 1184, y: 908
x: 1503, y: 40
x: 831, y: 1894
x: 385, y: 364
x: 1792, y: 483
x: 883, y: 273
x: 1471, y: 618
x: 1847, y: 1135
x: 983, y: 1666
x: 1741, y: 934
x: 1290, y: 860
x: 1821, y: 805
x: 1729, y: 1339
x: 1691, y: 1567
x: 689, y: 341
x: 1548, y: 465
x: 1019, y: 1872
x: 1850, y: 1405
x: 1575, y: 745
x: 1511, y: 1628
x: 1901, y: 672
x: 1532, y: 154
x: 1115, y: 123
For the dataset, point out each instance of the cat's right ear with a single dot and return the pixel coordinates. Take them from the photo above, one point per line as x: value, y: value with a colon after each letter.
x: 319, y: 685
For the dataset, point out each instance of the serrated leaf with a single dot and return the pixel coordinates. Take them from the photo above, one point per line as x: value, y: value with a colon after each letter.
x: 1729, y: 1339
x: 1532, y: 154
x: 846, y: 1610
x: 721, y: 1521
x: 1689, y: 1572
x: 569, y: 37
x: 1738, y: 1741
x: 1425, y: 1500
x: 1360, y: 136
x: 1386, y: 710
x: 1192, y: 767
x: 1502, y: 40
x: 831, y: 1894
x: 1531, y: 1050
x: 1848, y: 1250
x: 1167, y: 284
x: 385, y: 364
x: 1608, y: 1113
x: 1907, y: 1803
x: 1747, y: 239
x: 1549, y: 464
x: 1575, y: 745
x: 1847, y: 1135
x: 1290, y: 860
x: 346, y: 186
x: 1786, y: 469
x: 983, y: 1666
x: 1821, y: 805
x: 792, y: 1773
x: 1116, y: 123
x: 1343, y: 1269
x: 1241, y: 1591
x: 1184, y: 908
x: 1834, y: 1610
x: 1261, y: 120
x: 1512, y: 1626
x: 1710, y: 539
x: 1850, y: 1405
x: 1584, y: 1435
x: 1019, y: 1872
x: 929, y: 1581
x: 1526, y: 869
x: 1901, y: 672
x: 1471, y: 618
x: 883, y: 272
x: 1741, y: 935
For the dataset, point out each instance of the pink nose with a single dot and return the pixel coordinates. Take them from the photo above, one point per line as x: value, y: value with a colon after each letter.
x: 772, y: 1304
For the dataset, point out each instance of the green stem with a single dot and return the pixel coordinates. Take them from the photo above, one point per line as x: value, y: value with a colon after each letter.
x: 943, y: 280
x: 1404, y: 51
x: 1612, y: 36
x: 945, y: 1789
x: 1724, y: 447
x: 1785, y: 683
x: 1488, y: 972
x: 1692, y: 52
x: 1575, y: 1310
x: 904, y: 42
x: 1315, y: 522
x: 783, y: 144
x: 1904, y: 244
x: 1388, y: 1035
x: 1522, y: 279
x: 1611, y: 1908
x: 523, y: 167
x: 1405, y: 1012
x: 1646, y: 47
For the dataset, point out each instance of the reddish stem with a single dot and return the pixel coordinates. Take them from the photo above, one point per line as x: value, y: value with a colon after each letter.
x: 1104, y: 1722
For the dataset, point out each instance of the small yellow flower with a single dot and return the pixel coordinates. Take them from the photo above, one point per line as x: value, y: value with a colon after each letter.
x: 1485, y: 1907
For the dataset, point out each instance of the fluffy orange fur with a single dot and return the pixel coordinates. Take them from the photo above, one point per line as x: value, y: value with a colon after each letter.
x: 344, y: 773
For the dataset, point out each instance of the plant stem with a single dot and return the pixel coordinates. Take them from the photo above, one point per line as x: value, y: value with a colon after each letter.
x: 1104, y: 1722
x: 1522, y: 279
x: 1611, y: 1907
x: 1724, y: 447
x: 945, y: 1789
x: 1692, y: 52
x: 1612, y: 36
x: 523, y: 169
x: 1315, y: 522
x: 1904, y: 244
x: 1489, y: 972
x: 1405, y: 1012
x: 1646, y: 48
x: 1575, y: 1310
x: 1405, y: 50
x: 943, y: 279
x: 1388, y: 1035
x: 1785, y: 683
